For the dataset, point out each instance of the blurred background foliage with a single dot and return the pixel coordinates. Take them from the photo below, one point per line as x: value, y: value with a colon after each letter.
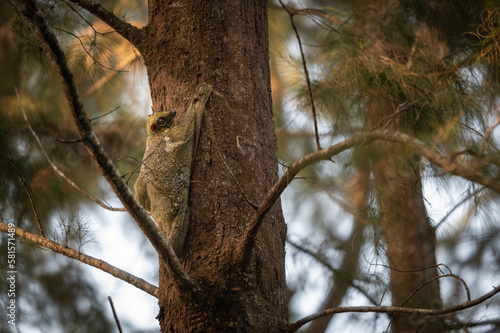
x: 433, y: 66
x: 427, y: 68
x: 54, y: 294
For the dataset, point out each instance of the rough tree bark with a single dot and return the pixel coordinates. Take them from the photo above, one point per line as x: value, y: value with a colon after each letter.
x: 224, y: 43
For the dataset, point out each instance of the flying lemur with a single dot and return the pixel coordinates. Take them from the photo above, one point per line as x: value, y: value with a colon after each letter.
x: 162, y: 187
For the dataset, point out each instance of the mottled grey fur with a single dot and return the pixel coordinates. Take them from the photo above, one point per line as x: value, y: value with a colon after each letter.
x: 162, y: 187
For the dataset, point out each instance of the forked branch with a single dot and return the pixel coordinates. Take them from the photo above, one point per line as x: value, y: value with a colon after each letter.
x: 447, y: 165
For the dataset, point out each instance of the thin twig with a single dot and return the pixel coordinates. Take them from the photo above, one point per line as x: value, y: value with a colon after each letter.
x: 104, y: 115
x: 315, y: 255
x: 57, y: 170
x: 247, y: 241
x: 391, y: 309
x: 26, y: 187
x: 308, y: 80
x: 115, y: 315
x: 87, y: 51
x: 408, y: 270
x: 81, y: 17
x: 450, y: 274
x: 495, y: 322
x: 126, y: 30
x: 86, y: 259
x: 448, y: 214
x: 487, y: 135
x: 437, y: 278
x: 430, y: 281
x: 69, y: 141
x: 135, y: 170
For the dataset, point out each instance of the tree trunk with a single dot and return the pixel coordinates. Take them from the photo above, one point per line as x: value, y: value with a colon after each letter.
x: 224, y: 43
x: 409, y: 237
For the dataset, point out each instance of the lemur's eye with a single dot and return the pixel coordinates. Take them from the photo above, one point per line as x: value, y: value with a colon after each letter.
x: 165, y: 120
x: 161, y: 121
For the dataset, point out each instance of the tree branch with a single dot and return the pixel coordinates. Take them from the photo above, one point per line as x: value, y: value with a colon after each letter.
x: 133, y: 34
x: 392, y: 309
x: 115, y: 315
x: 469, y: 196
x: 308, y: 80
x: 91, y: 261
x: 448, y: 165
x: 247, y: 241
x: 26, y: 187
x: 50, y: 44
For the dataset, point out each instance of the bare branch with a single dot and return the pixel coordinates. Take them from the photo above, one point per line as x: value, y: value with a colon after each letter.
x: 459, y: 204
x: 133, y: 34
x: 392, y: 309
x: 48, y: 41
x: 115, y: 315
x: 494, y: 322
x: 57, y: 170
x: 438, y: 267
x: 437, y: 278
x: 316, y: 256
x: 91, y: 261
x: 247, y: 241
x: 448, y: 165
x: 308, y: 80
x: 26, y: 187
